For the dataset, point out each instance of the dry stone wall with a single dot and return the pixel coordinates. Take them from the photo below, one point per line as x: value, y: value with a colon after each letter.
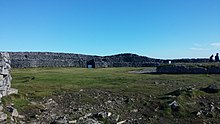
x: 5, y: 82
x: 184, y: 69
x: 49, y: 59
x: 5, y: 76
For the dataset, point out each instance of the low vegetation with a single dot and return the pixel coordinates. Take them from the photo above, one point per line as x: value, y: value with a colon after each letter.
x: 149, y: 90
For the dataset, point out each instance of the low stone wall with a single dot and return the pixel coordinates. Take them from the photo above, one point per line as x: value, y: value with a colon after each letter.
x: 184, y: 69
x: 5, y: 76
x: 213, y: 70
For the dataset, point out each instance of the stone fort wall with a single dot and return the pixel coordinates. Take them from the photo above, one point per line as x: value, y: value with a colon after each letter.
x: 49, y: 59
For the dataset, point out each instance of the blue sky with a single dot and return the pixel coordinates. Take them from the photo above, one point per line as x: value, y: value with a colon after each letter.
x: 154, y: 28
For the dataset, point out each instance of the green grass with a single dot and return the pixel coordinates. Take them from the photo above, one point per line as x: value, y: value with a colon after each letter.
x: 37, y: 83
x: 44, y: 81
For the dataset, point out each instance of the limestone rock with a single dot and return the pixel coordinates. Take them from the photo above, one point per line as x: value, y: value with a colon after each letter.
x: 3, y: 116
x: 174, y: 106
x: 213, y: 88
x: 121, y: 122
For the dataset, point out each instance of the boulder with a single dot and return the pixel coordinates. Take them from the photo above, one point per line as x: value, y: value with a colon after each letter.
x: 213, y: 88
x: 3, y: 116
x: 60, y: 120
x: 174, y: 106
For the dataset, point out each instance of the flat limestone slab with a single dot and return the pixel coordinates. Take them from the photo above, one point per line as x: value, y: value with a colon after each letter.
x: 1, y: 82
x: 1, y: 77
x: 12, y: 91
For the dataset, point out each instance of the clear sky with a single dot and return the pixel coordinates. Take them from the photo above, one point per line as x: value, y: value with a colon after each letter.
x: 154, y: 28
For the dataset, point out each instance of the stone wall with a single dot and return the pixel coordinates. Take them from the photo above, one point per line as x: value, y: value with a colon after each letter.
x: 49, y: 59
x: 184, y: 69
x: 5, y: 76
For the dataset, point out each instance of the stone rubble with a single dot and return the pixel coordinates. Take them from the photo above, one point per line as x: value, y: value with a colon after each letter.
x: 90, y: 106
x: 95, y: 106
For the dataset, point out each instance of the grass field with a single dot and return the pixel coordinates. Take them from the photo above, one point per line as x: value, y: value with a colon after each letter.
x: 39, y: 82
x: 36, y: 83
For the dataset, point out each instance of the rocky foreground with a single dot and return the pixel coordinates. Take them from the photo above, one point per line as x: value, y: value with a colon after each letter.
x: 95, y: 106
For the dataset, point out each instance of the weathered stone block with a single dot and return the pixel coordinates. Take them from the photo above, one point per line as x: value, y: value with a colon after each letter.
x: 3, y: 90
x: 1, y: 63
x: 1, y: 83
x: 5, y: 55
x: 3, y: 116
x: 1, y: 77
x: 1, y: 70
x: 12, y: 91
x: 7, y: 66
x: 5, y: 72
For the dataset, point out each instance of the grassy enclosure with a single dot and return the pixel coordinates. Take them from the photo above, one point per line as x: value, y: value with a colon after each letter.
x: 35, y: 84
x: 40, y: 82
